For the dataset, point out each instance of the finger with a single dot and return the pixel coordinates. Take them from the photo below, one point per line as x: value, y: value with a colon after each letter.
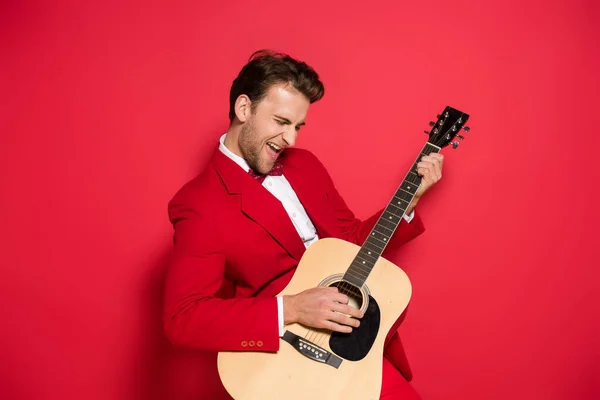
x: 339, y: 298
x: 437, y: 166
x: 348, y: 310
x: 434, y: 171
x: 437, y: 161
x: 329, y: 292
x: 433, y: 157
x: 429, y: 171
x: 332, y: 326
x: 425, y: 164
x: 343, y: 319
x: 438, y: 172
x: 424, y: 168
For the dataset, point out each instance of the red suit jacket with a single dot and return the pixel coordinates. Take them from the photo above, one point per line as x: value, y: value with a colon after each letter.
x: 235, y: 249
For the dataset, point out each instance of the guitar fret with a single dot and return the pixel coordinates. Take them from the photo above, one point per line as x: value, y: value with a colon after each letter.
x: 381, y: 237
x: 389, y: 224
x: 369, y: 254
x: 368, y: 257
x: 349, y: 272
x: 361, y: 273
x: 391, y: 230
x: 415, y: 180
x: 394, y: 222
x: 375, y: 244
x: 399, y: 200
x: 393, y: 213
x: 362, y: 264
x: 409, y: 186
x: 403, y: 196
x: 399, y: 208
x: 365, y: 261
x: 382, y: 233
x: 382, y: 241
x: 370, y: 246
x: 389, y: 221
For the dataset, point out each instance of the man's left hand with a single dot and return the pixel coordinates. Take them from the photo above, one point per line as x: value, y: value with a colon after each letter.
x: 430, y: 171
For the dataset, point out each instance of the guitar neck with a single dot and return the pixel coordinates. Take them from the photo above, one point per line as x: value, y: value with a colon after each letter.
x: 379, y: 237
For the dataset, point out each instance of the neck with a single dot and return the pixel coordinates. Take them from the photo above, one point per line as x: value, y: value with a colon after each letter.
x: 231, y: 139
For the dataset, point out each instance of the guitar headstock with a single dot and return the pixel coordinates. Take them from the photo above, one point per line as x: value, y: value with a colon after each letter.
x: 447, y: 127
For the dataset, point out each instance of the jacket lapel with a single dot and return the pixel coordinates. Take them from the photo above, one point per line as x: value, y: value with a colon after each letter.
x: 259, y: 205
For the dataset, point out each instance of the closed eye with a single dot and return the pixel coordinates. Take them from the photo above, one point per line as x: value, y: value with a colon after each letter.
x: 284, y: 121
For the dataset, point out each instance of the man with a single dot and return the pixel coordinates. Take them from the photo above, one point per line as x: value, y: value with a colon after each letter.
x: 240, y: 233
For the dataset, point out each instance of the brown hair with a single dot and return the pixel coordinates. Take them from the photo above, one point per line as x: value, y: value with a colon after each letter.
x: 266, y: 68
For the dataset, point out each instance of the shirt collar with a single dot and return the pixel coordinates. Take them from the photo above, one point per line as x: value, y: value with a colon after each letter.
x: 237, y: 159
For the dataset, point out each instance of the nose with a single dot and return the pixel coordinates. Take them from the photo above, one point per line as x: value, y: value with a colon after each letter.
x: 289, y: 136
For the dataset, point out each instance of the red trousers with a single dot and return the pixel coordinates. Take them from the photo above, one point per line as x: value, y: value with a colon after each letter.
x: 394, y: 386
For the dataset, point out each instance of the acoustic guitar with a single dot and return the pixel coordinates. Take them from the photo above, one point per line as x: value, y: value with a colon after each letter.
x: 320, y: 364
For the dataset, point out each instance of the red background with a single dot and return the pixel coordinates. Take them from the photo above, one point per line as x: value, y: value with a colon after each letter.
x: 108, y: 109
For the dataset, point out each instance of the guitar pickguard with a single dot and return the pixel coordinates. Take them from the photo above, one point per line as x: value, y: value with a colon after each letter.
x: 356, y: 345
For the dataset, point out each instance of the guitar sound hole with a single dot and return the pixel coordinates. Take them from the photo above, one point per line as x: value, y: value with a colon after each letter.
x: 354, y: 294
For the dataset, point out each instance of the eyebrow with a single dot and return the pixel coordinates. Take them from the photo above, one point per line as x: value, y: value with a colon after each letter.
x: 288, y: 121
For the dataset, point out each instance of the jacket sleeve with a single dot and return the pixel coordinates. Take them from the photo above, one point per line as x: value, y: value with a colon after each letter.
x: 196, y: 314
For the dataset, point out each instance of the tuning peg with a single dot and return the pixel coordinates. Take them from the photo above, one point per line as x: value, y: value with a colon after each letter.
x: 431, y: 123
x: 455, y: 144
x: 438, y: 116
x: 466, y: 129
x: 460, y: 137
x: 427, y: 132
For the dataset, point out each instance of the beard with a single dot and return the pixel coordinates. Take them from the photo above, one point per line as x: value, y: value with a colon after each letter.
x: 251, y: 147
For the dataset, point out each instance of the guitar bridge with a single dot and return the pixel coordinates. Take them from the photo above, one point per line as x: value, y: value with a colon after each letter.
x: 312, y: 351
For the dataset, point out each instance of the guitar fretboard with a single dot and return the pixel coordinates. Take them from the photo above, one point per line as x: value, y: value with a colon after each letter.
x: 379, y: 237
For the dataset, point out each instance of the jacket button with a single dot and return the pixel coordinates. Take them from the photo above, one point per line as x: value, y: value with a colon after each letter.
x: 259, y: 343
x: 251, y: 343
x: 244, y: 343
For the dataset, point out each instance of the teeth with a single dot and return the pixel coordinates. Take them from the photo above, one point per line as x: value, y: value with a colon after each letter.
x: 274, y: 146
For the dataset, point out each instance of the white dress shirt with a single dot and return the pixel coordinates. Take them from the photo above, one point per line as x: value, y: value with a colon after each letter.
x: 279, y: 187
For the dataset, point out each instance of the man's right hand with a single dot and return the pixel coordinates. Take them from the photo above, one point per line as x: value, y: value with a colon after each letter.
x: 323, y: 308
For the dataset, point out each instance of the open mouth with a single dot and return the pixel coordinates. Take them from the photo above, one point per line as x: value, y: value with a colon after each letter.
x: 273, y: 150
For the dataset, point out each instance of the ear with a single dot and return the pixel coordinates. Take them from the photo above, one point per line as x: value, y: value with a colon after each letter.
x: 242, y: 107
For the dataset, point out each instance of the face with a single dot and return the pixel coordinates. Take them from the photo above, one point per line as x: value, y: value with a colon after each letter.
x: 272, y: 127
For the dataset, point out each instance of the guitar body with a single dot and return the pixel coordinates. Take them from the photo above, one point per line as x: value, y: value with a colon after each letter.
x: 355, y: 364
